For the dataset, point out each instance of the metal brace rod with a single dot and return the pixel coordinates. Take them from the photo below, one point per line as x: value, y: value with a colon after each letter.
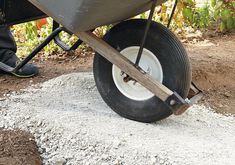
x: 172, y: 13
x: 146, y: 32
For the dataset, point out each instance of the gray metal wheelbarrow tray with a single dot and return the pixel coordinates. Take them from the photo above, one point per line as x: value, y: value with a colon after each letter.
x: 83, y: 15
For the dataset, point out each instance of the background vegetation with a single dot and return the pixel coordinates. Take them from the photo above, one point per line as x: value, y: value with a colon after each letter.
x: 215, y: 15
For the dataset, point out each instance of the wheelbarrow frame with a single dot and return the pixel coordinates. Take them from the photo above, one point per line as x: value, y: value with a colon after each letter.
x: 174, y: 101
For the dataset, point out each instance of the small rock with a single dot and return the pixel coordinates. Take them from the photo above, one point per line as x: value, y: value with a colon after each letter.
x: 27, y: 117
x: 2, y: 99
x: 116, y: 162
x: 62, y: 161
x: 41, y: 150
x: 162, y: 161
x: 104, y: 157
x: 39, y: 123
x: 59, y: 161
x: 116, y: 143
x: 227, y: 94
x: 31, y: 139
x: 44, y: 139
x: 153, y: 160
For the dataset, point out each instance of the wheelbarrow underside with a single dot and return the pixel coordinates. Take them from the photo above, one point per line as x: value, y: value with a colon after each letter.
x: 18, y: 11
x: 84, y: 15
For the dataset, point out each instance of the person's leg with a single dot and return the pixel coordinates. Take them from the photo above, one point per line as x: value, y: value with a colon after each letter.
x: 7, y: 53
x: 6, y: 39
x: 7, y: 44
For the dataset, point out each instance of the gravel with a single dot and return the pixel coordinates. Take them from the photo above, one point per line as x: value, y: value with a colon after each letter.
x: 72, y: 125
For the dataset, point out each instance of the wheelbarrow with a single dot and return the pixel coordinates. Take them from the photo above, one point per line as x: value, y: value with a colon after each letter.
x: 141, y: 69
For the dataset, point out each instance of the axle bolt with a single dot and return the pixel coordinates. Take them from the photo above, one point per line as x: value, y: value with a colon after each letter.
x: 172, y: 102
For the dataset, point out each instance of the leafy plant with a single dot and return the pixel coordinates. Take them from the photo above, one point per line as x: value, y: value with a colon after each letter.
x: 224, y: 12
x: 219, y: 13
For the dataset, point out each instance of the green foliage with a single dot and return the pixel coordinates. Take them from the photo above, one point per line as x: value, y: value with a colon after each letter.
x: 197, y: 17
x: 225, y: 12
x: 220, y: 13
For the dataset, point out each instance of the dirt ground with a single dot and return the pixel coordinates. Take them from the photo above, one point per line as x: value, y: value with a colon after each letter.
x: 213, y: 64
x: 18, y: 148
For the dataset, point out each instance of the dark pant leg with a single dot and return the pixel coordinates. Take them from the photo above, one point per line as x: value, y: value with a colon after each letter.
x: 7, y: 43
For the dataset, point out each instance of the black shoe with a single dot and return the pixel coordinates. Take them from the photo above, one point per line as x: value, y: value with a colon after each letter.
x: 9, y: 58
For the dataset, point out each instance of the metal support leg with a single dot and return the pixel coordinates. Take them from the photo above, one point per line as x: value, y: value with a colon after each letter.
x: 53, y: 36
x: 10, y: 69
x: 61, y: 44
x: 38, y: 49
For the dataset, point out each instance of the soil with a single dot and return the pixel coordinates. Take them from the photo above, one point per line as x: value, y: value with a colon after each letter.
x: 213, y: 64
x: 18, y: 148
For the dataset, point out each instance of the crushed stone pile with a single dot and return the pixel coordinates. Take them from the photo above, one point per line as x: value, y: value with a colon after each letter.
x: 72, y: 125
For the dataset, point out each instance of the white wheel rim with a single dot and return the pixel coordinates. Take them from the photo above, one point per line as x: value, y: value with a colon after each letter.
x: 149, y: 63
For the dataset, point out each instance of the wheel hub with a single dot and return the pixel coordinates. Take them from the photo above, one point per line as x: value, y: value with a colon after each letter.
x: 127, y: 85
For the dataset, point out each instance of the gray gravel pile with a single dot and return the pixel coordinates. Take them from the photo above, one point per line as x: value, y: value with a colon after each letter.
x: 72, y: 125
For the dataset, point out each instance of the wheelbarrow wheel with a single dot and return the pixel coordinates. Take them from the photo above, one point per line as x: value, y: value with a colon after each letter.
x: 164, y: 58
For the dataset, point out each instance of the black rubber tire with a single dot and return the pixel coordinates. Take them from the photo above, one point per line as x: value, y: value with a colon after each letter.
x: 169, y: 51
